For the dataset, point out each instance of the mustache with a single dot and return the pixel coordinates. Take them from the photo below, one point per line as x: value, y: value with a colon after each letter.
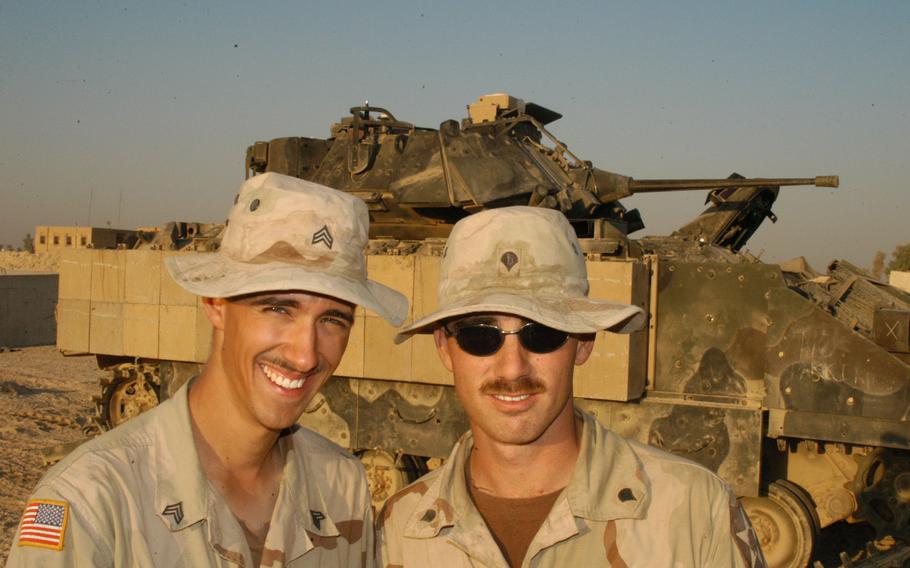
x: 523, y: 385
x: 291, y: 368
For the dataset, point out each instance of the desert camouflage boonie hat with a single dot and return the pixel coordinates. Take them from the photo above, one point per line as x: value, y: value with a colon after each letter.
x: 524, y: 261
x: 285, y: 233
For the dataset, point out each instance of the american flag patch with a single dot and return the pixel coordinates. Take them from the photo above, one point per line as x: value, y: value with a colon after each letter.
x: 43, y: 524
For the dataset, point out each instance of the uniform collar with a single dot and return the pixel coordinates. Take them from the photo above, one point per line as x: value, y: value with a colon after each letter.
x: 608, y: 483
x: 301, y: 516
x: 447, y: 503
x: 181, y: 497
x: 184, y: 495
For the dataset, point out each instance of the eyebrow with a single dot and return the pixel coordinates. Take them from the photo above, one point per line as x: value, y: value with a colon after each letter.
x: 473, y: 320
x: 275, y: 301
x: 346, y: 316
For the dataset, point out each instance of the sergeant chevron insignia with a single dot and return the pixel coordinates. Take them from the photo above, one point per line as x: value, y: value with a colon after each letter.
x: 323, y: 236
x: 174, y: 511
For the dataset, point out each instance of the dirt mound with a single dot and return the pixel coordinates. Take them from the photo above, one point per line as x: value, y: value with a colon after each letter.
x: 19, y: 262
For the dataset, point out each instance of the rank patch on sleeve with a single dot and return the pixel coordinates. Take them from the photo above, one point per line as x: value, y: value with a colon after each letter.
x: 43, y: 524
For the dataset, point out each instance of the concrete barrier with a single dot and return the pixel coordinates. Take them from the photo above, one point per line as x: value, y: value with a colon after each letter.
x: 27, y: 303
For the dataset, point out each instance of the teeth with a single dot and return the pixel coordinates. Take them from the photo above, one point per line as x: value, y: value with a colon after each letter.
x: 281, y: 380
x: 507, y: 398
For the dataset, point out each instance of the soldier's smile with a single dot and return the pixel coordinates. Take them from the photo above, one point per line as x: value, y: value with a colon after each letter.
x: 279, y: 348
x: 508, y: 398
x: 283, y: 377
x: 514, y: 395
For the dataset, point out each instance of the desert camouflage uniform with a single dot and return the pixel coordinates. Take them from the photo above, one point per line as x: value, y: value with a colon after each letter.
x: 137, y: 496
x: 627, y: 504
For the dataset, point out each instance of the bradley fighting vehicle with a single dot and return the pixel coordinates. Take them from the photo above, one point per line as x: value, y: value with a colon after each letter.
x: 791, y: 385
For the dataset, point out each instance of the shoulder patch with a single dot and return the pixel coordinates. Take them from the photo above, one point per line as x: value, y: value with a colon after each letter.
x: 43, y: 524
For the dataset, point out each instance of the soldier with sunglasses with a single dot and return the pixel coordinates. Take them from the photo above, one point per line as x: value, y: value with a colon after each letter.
x: 538, y: 482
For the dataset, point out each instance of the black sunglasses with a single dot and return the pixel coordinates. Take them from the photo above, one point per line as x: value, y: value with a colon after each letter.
x: 484, y: 339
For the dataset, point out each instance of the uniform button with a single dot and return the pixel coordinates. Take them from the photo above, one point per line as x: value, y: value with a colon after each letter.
x: 254, y: 205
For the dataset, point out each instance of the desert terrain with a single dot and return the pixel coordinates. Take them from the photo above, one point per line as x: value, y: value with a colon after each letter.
x: 45, y: 401
x: 26, y: 262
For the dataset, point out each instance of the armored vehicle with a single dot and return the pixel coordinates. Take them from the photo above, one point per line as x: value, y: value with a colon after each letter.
x: 791, y: 385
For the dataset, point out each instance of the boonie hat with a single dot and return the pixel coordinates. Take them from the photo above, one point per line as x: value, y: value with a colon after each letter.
x: 524, y: 261
x: 285, y: 233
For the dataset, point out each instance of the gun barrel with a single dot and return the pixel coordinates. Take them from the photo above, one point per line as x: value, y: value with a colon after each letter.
x: 654, y: 185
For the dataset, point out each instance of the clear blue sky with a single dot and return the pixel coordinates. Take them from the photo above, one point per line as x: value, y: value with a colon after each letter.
x: 157, y: 101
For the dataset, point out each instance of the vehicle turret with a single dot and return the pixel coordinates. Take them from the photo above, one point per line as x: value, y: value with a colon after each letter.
x: 420, y: 181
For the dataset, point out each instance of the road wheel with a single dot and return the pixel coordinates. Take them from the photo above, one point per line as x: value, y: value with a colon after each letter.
x: 786, y: 524
x: 128, y: 395
x: 884, y: 494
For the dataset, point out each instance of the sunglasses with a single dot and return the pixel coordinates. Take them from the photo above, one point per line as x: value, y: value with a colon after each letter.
x: 484, y: 339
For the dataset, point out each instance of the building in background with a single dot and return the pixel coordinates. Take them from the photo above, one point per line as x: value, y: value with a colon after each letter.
x: 899, y: 279
x: 48, y: 239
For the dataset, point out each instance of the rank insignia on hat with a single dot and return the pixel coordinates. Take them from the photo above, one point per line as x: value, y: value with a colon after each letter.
x: 174, y: 511
x: 317, y: 517
x: 509, y: 259
x: 323, y: 236
x: 43, y: 524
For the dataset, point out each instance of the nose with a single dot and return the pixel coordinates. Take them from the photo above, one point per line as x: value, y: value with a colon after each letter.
x: 299, y: 348
x: 512, y: 359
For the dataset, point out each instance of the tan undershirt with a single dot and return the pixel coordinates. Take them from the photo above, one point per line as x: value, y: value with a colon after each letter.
x: 512, y: 522
x: 255, y: 541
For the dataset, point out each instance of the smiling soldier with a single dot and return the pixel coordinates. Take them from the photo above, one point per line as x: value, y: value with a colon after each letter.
x: 537, y: 482
x: 220, y: 474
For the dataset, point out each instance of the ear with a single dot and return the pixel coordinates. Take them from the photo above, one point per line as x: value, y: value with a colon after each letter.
x: 442, y: 347
x: 214, y: 310
x: 584, y: 348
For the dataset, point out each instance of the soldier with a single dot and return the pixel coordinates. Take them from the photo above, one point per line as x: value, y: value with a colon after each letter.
x: 538, y: 482
x: 220, y: 474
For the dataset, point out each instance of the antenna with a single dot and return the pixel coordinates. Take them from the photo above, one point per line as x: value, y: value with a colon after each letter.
x: 91, y: 196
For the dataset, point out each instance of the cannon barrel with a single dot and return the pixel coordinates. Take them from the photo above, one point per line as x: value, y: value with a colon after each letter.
x: 610, y: 186
x: 653, y: 185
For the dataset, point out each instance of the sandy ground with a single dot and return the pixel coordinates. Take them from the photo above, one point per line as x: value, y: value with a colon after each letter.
x: 19, y: 262
x: 45, y: 399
